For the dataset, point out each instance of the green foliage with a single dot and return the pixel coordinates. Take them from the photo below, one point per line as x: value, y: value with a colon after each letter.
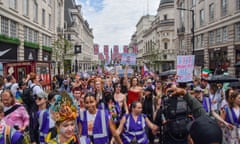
x: 46, y: 48
x: 61, y: 49
x: 31, y: 44
x: 11, y: 40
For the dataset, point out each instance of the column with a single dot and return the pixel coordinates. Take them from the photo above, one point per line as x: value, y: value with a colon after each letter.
x: 21, y: 46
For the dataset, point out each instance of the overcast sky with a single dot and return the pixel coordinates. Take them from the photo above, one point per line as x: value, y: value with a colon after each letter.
x: 114, y: 21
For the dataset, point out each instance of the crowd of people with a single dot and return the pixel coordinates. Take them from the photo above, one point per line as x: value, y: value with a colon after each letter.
x: 108, y: 109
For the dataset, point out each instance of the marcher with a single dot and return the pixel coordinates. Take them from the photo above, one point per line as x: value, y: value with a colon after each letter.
x: 8, y: 133
x: 65, y: 113
x: 96, y: 123
x: 132, y: 125
x: 15, y: 114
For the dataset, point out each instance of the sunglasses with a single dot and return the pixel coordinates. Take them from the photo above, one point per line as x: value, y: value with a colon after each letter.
x: 38, y: 98
x: 85, y: 79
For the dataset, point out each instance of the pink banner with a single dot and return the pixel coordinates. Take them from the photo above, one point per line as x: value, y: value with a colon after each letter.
x: 96, y: 49
x: 135, y: 49
x: 125, y: 49
x: 115, y: 49
x: 106, y: 49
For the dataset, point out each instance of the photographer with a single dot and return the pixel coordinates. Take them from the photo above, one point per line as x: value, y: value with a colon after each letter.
x: 203, y: 129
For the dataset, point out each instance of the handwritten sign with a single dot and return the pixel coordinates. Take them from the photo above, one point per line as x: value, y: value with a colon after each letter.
x: 128, y: 59
x: 185, y: 66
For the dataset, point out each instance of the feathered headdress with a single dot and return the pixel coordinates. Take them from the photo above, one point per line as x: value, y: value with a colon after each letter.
x: 64, y: 108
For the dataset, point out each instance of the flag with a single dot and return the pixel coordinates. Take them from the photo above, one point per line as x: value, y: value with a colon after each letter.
x: 115, y: 49
x: 135, y: 49
x: 105, y: 49
x: 96, y: 49
x: 125, y: 49
x: 144, y: 70
x: 205, y: 72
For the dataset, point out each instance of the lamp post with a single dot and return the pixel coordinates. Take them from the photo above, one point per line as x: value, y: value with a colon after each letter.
x: 192, y: 30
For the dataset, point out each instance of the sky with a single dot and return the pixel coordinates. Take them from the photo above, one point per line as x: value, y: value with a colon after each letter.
x: 114, y: 21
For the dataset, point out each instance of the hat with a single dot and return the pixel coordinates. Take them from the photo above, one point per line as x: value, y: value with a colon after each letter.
x: 198, y: 89
x: 205, y: 130
x: 42, y: 94
x: 64, y: 108
x: 149, y: 81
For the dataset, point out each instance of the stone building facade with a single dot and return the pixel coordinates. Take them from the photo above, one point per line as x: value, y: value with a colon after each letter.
x: 216, y: 32
x: 78, y: 31
x: 28, y: 29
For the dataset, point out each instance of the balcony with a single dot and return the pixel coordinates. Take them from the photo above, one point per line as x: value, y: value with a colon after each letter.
x: 167, y: 22
x: 181, y: 30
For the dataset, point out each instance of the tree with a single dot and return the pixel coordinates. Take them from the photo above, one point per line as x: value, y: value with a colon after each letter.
x: 62, y: 48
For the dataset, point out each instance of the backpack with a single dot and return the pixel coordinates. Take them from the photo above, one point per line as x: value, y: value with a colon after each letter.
x: 27, y: 96
x: 176, y: 113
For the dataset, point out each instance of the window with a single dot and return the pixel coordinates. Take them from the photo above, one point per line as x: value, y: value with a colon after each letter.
x: 30, y: 35
x: 202, y: 40
x: 211, y: 38
x: 46, y: 40
x: 59, y: 16
x: 181, y: 5
x: 8, y: 27
x: 35, y: 15
x: 237, y: 31
x: 218, y: 35
x: 13, y: 29
x: 25, y: 30
x: 238, y: 4
x: 165, y: 17
x: 49, y: 21
x: 224, y: 34
x: 43, y: 17
x: 4, y: 25
x: 198, y: 41
x: 224, y: 7
x: 164, y: 56
x: 35, y: 37
x: 211, y: 12
x: 13, y: 4
x: 25, y: 7
x: 201, y: 17
x: 165, y: 45
x: 193, y: 2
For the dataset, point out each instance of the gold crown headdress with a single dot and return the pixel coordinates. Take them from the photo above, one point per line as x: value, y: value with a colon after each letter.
x: 64, y: 108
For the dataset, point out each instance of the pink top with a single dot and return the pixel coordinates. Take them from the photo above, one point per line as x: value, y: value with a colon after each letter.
x: 18, y: 117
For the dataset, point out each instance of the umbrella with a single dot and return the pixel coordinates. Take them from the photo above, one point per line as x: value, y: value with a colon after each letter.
x: 234, y: 84
x: 167, y: 73
x: 237, y: 64
x: 221, y: 79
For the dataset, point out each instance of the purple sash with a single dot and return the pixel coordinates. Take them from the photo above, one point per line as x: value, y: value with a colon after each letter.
x: 232, y: 117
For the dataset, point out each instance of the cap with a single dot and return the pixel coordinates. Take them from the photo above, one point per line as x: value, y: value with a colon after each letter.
x: 149, y: 81
x: 42, y: 94
x: 198, y: 89
x: 205, y: 130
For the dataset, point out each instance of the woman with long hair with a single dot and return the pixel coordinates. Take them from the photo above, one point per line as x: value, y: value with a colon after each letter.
x: 135, y: 91
x: 120, y: 98
x: 231, y: 114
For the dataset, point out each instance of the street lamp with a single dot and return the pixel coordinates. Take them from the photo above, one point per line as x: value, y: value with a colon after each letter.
x: 192, y: 30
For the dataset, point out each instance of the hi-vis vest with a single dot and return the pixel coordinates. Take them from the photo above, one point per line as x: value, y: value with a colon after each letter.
x: 100, y: 127
x: 134, y: 130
